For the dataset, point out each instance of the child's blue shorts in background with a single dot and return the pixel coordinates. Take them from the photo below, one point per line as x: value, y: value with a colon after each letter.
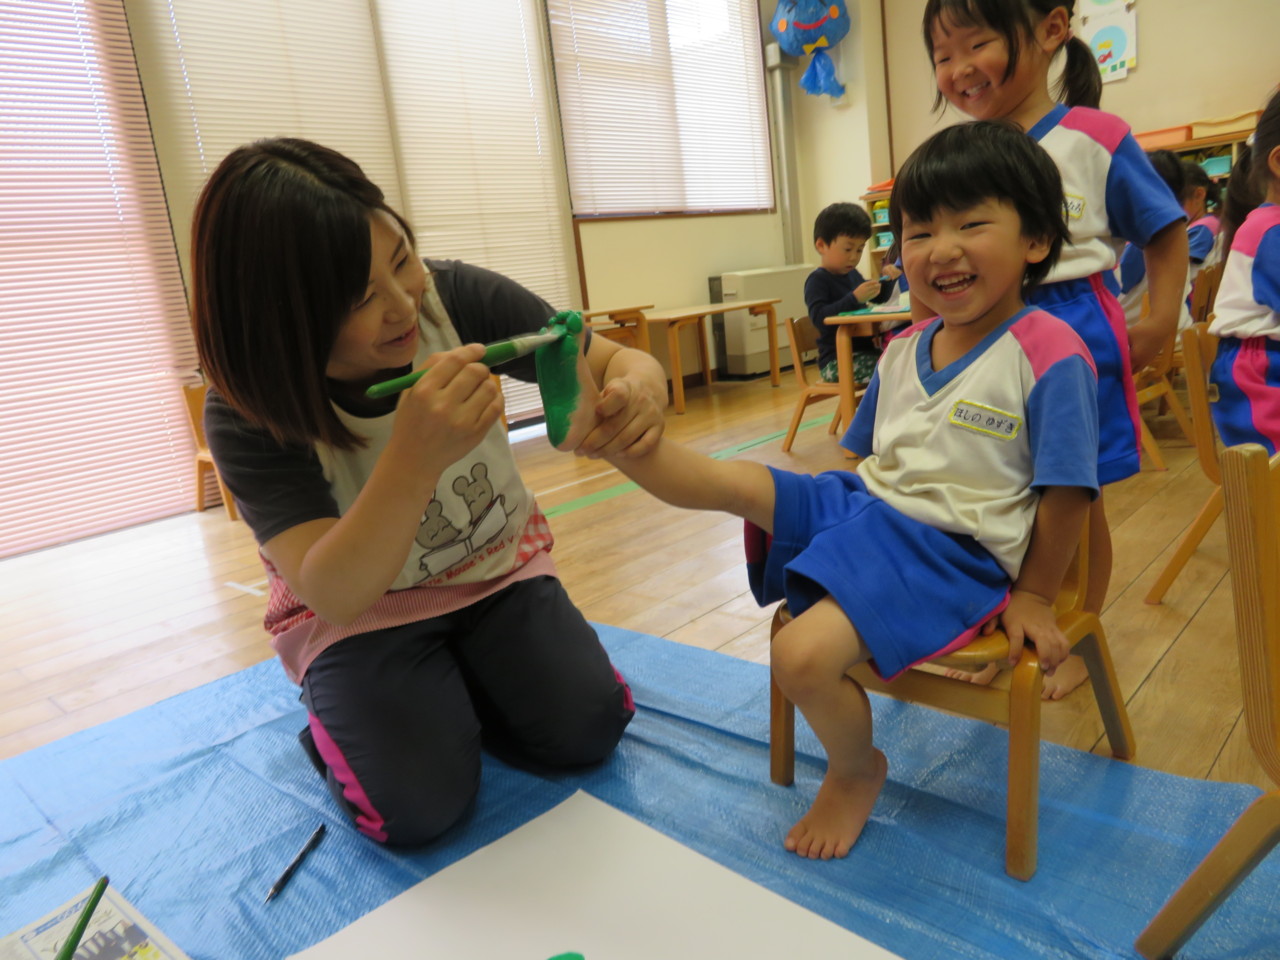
x: 1247, y: 375
x: 1093, y: 312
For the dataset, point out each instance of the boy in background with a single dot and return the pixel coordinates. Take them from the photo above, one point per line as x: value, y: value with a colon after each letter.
x: 840, y: 234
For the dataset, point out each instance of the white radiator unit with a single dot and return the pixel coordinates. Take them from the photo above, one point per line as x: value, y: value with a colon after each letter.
x: 742, y: 340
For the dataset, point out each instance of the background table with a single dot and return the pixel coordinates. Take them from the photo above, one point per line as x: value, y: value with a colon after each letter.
x: 629, y: 324
x: 676, y: 318
x: 847, y: 327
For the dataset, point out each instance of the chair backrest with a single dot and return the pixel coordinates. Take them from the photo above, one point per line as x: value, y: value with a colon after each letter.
x: 802, y: 338
x: 1204, y: 291
x: 1251, y: 489
x: 1199, y: 347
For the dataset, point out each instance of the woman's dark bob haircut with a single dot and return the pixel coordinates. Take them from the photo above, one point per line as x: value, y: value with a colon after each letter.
x: 964, y: 165
x: 279, y: 257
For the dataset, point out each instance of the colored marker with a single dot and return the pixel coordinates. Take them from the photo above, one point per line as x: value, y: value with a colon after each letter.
x: 494, y: 353
x: 296, y: 862
x: 72, y: 942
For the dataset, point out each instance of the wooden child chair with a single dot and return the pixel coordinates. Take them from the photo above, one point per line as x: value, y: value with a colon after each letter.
x: 1017, y: 708
x: 1205, y: 291
x: 1198, y: 350
x: 194, y: 395
x: 1152, y: 383
x: 1251, y: 488
x: 804, y: 338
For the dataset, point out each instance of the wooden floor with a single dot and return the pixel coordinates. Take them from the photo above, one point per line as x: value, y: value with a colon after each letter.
x: 99, y: 628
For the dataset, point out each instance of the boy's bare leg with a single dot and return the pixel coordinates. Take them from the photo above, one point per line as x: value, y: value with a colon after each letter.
x: 694, y: 481
x: 810, y: 657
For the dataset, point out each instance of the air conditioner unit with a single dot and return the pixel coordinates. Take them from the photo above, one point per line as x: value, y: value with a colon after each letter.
x: 742, y: 340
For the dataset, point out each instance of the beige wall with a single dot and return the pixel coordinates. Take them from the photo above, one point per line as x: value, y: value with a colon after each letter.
x: 843, y: 147
x: 1196, y: 60
x: 665, y: 261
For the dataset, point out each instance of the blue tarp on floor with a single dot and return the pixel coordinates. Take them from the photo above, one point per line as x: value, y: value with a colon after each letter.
x: 193, y: 805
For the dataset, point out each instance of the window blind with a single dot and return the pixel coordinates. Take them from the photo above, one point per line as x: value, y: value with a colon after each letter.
x: 480, y: 153
x: 221, y: 74
x: 94, y: 339
x: 662, y: 104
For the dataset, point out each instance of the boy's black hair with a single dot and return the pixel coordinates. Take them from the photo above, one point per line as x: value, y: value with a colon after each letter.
x: 961, y: 166
x: 1016, y: 20
x: 1169, y: 166
x: 841, y: 220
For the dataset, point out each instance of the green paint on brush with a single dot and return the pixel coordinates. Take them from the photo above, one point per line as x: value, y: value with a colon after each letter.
x: 557, y: 365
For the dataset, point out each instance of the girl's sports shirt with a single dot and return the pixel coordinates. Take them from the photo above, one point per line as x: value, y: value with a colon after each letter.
x: 1111, y: 189
x: 967, y: 448
x: 1201, y: 236
x: 1248, y: 301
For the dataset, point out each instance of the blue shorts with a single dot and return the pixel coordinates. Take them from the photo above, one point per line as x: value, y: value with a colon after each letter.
x: 1247, y: 375
x: 911, y: 591
x: 1093, y: 312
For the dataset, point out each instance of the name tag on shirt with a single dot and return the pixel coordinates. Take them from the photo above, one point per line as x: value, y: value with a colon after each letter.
x: 983, y: 419
x: 1075, y: 206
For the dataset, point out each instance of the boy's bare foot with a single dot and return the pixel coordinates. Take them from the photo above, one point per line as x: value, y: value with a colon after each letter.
x: 981, y: 677
x: 839, y: 812
x: 569, y: 392
x: 1070, y: 674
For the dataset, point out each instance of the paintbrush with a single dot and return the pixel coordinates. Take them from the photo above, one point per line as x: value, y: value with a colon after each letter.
x: 500, y: 351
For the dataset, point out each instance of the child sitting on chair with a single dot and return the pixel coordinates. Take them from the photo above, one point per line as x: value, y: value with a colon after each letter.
x: 979, y: 433
x: 840, y: 234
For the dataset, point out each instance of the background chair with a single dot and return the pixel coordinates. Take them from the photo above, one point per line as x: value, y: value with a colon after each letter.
x: 204, y: 459
x: 1017, y: 708
x: 803, y: 338
x: 1152, y: 383
x: 1198, y: 350
x: 1251, y: 488
x: 1204, y: 291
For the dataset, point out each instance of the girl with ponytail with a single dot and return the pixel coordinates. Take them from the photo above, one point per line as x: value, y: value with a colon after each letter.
x: 992, y: 60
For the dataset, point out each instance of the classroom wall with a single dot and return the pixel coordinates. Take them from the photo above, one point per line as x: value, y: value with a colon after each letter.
x: 666, y: 261
x: 843, y: 143
x: 1195, y: 61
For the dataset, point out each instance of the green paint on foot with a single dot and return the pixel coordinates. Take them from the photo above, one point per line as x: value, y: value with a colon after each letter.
x: 557, y: 365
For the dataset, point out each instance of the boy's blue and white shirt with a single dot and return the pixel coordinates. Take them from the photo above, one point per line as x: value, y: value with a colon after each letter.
x: 967, y: 448
x: 1112, y: 191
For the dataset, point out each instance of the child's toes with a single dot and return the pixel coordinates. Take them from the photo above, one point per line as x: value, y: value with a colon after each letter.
x: 568, y: 390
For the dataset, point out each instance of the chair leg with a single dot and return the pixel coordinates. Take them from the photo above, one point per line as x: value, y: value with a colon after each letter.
x: 1187, y: 546
x: 782, y: 736
x: 782, y: 719
x: 1149, y: 445
x: 1106, y: 691
x: 1023, y: 818
x: 1243, y: 847
x: 202, y: 468
x: 835, y: 423
x: 1180, y: 414
x: 227, y: 500
x: 790, y: 438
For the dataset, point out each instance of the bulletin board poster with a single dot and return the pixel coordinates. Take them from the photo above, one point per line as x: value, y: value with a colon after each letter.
x: 1110, y: 27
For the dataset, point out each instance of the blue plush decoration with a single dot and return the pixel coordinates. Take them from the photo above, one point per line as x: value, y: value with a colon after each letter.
x: 812, y: 27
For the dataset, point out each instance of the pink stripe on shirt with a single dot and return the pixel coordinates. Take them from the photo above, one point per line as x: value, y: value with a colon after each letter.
x: 1046, y: 341
x: 1249, y: 236
x: 1103, y: 128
